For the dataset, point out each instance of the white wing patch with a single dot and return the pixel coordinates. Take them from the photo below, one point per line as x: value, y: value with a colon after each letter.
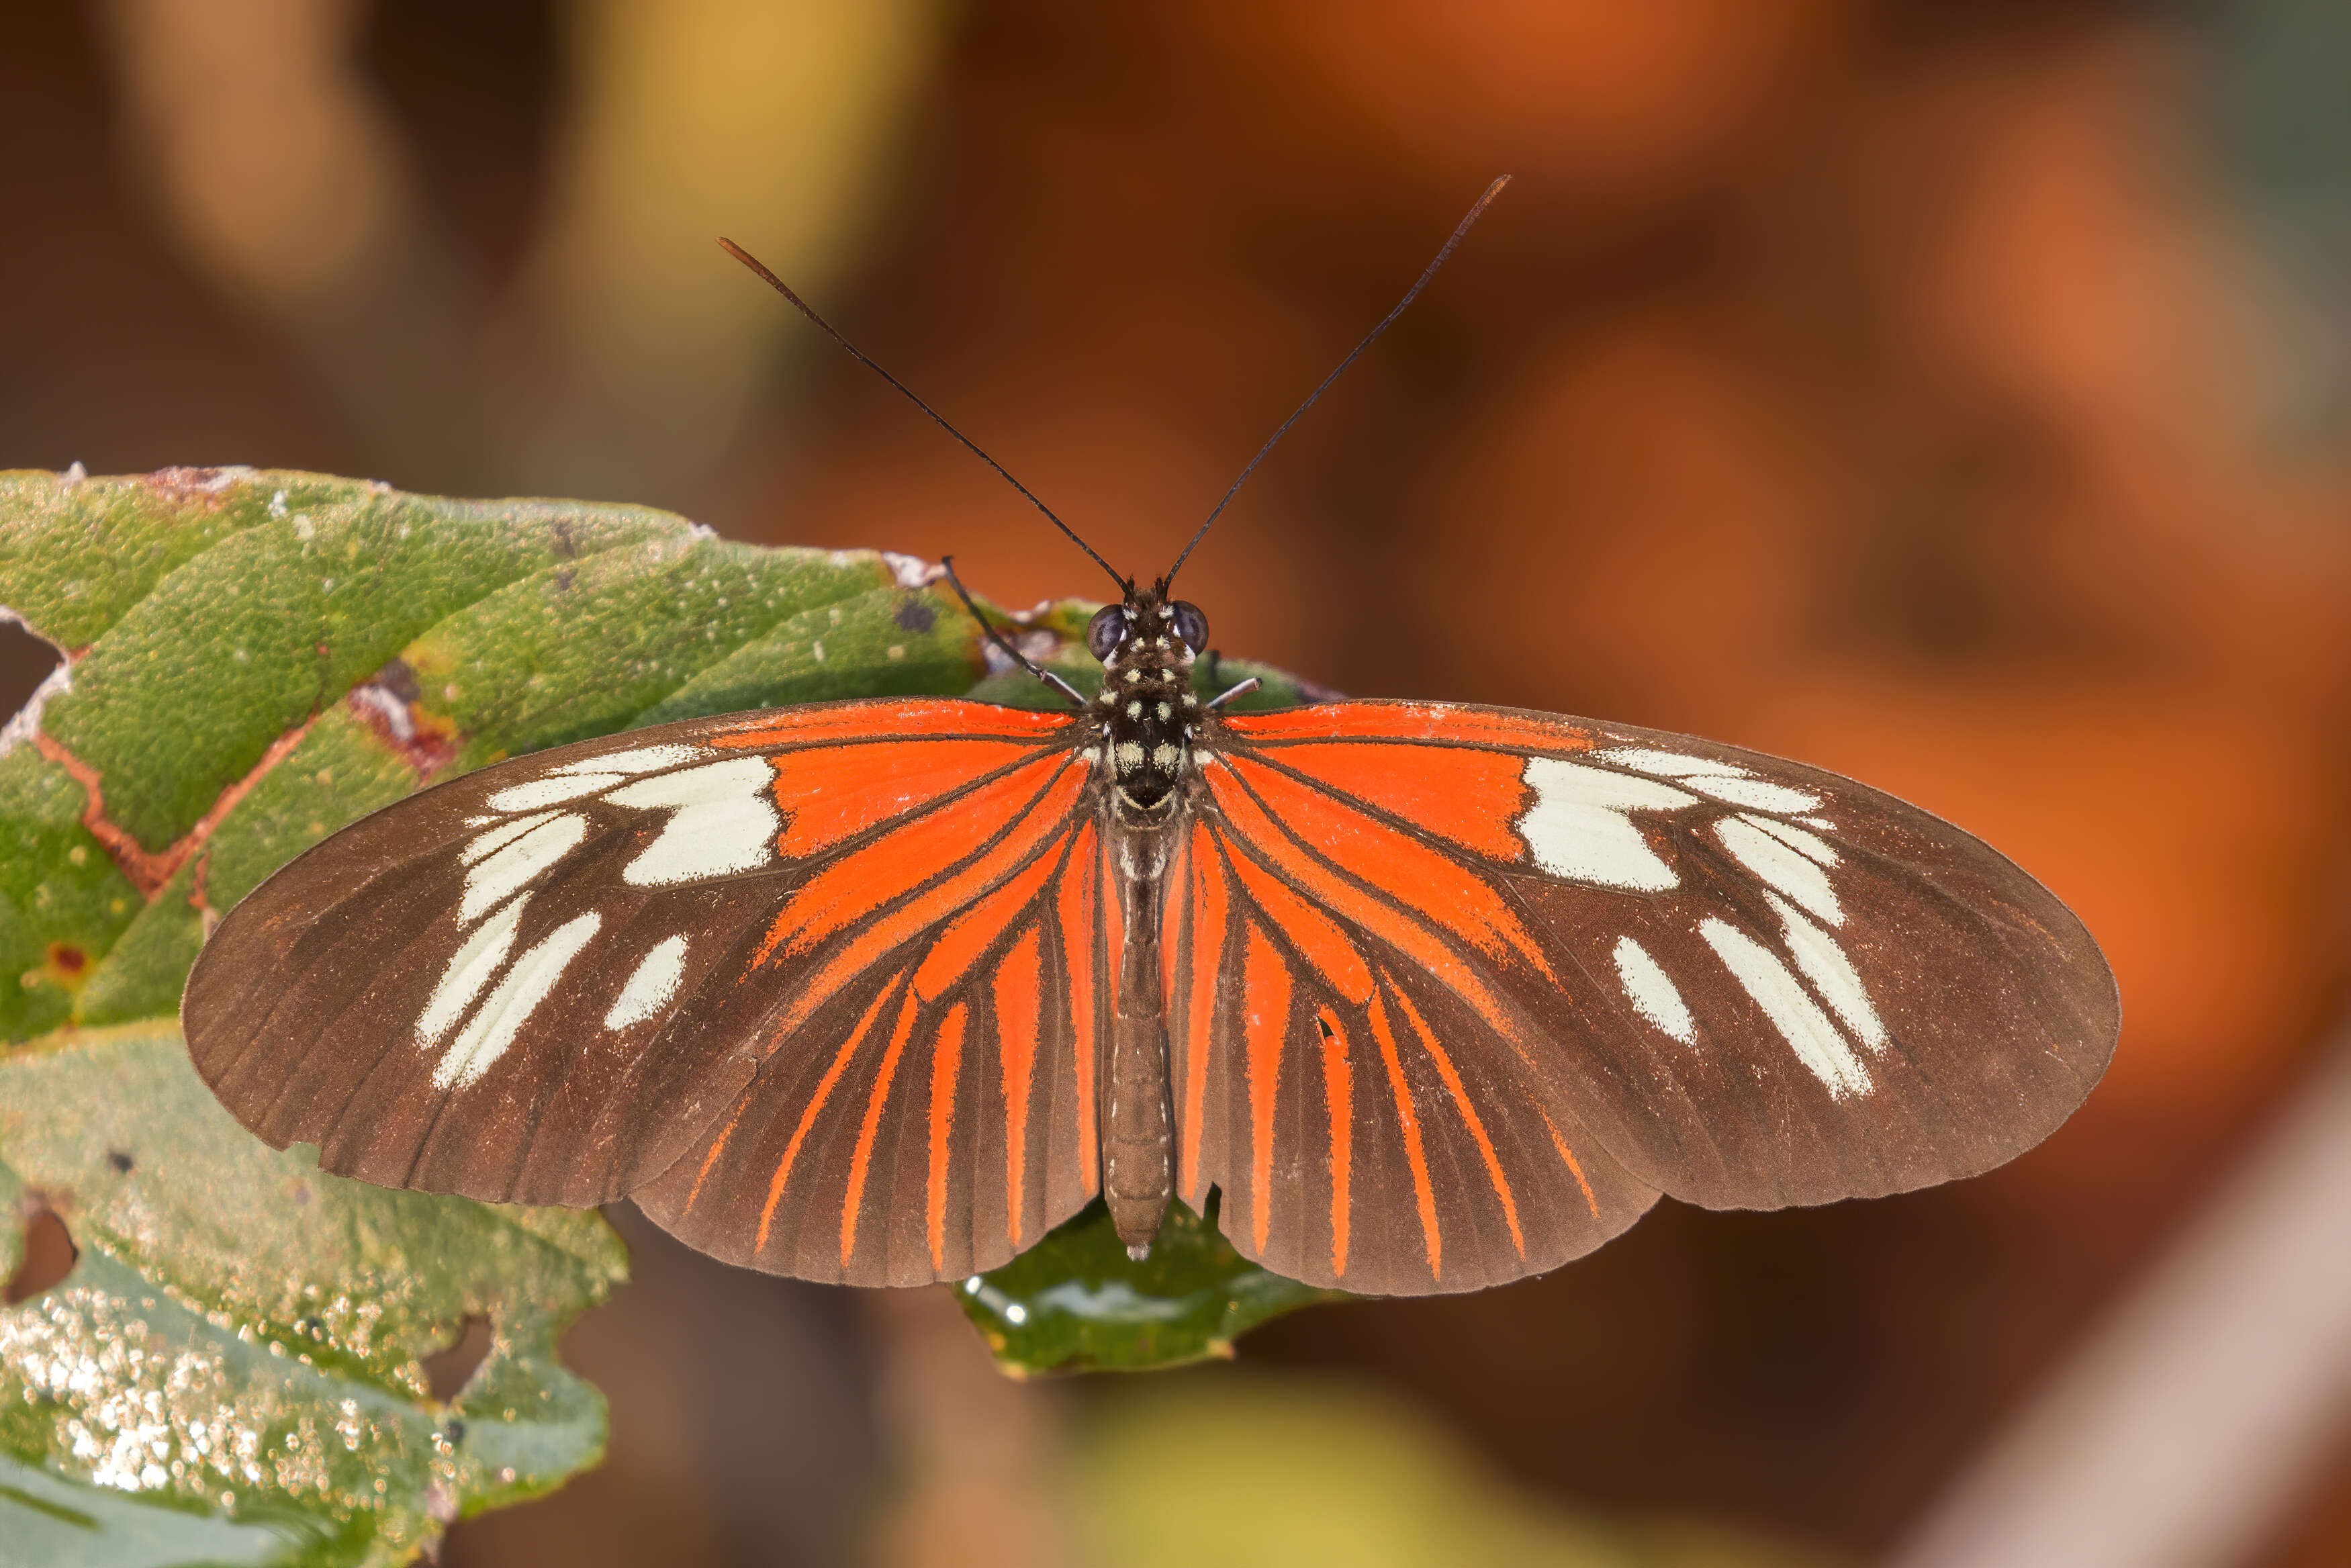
x: 1798, y: 876
x: 532, y: 979
x: 644, y: 759
x: 470, y: 969
x: 1651, y: 992
x: 652, y: 986
x: 1762, y: 974
x: 725, y: 821
x: 515, y: 862
x: 1578, y: 826
x: 1831, y: 973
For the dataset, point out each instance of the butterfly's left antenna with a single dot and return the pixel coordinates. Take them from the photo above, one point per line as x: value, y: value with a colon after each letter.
x: 778, y: 284
x: 1370, y: 338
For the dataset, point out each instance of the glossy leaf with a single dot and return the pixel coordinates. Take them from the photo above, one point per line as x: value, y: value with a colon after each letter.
x: 233, y: 1370
x: 1076, y: 1302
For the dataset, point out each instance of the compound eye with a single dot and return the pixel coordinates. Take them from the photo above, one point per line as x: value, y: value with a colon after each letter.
x: 1106, y: 631
x: 1190, y: 624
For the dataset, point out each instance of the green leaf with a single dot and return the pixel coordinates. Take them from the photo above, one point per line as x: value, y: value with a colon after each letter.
x: 233, y: 1369
x: 1076, y: 1302
x: 259, y: 659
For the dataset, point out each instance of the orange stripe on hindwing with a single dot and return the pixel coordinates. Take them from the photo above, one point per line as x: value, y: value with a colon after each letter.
x: 1311, y: 932
x: 1408, y: 1123
x: 962, y: 941
x: 1434, y: 885
x: 858, y: 1164
x: 1080, y: 889
x: 1265, y: 1023
x: 1568, y: 1155
x: 1338, y: 1092
x: 1260, y: 832
x: 1467, y: 1107
x: 1211, y: 907
x: 808, y: 1117
x: 1018, y: 1016
x: 947, y: 1060
x: 900, y: 719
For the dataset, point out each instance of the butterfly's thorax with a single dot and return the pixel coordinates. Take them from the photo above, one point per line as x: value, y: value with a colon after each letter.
x: 1146, y: 709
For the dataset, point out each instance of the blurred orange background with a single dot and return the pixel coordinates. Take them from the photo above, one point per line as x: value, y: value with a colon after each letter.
x: 1954, y: 396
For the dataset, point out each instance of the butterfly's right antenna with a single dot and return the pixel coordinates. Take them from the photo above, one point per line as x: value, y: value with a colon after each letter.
x: 1371, y: 336
x: 777, y: 284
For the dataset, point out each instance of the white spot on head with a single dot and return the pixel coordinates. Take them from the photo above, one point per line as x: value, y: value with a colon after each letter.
x: 1128, y: 756
x: 1832, y: 974
x: 1792, y: 1012
x: 1782, y: 867
x: 489, y: 885
x: 1652, y: 991
x: 1134, y: 674
x: 1134, y: 709
x: 1165, y: 756
x: 470, y: 969
x: 1191, y: 701
x: 649, y: 989
x: 1167, y: 712
x: 725, y: 821
x: 1578, y: 827
x: 533, y: 977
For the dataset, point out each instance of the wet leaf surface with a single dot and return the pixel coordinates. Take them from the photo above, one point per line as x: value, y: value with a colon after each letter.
x: 1077, y: 1302
x: 231, y: 1371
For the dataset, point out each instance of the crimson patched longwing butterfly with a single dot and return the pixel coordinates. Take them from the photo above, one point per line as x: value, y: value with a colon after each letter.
x: 1438, y: 995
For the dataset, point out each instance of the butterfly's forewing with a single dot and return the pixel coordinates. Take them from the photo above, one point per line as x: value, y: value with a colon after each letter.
x: 555, y: 979
x: 1735, y: 980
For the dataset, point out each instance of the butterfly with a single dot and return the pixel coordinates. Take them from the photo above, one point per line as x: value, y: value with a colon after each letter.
x: 1430, y: 996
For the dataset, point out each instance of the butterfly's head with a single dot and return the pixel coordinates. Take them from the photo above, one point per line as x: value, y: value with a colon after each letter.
x: 1147, y: 628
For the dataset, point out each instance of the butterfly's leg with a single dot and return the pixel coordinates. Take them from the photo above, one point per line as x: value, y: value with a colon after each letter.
x: 1242, y: 690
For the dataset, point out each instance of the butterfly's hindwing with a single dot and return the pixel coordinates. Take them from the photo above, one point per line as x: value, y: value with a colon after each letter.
x: 1347, y: 1101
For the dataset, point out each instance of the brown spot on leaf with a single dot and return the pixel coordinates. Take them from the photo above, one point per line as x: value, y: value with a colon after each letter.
x: 70, y: 963
x: 47, y: 1258
x: 914, y: 615
x: 388, y: 705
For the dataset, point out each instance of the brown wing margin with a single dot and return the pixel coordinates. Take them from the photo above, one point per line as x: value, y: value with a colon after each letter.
x: 931, y: 1113
x: 1368, y: 1129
